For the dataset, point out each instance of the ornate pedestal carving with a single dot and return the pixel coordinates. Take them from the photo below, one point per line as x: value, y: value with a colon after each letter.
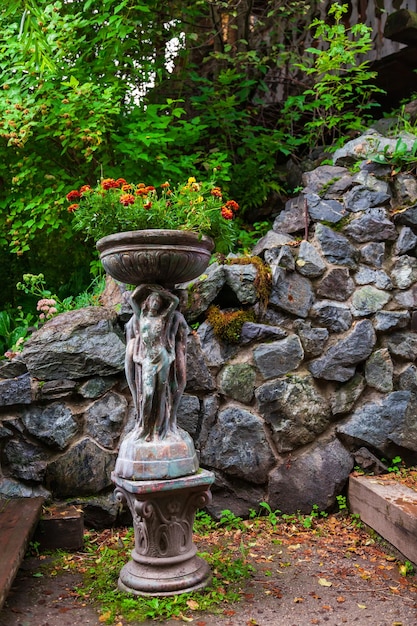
x: 164, y: 560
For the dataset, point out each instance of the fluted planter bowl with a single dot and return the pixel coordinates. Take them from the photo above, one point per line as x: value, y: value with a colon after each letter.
x: 165, y: 257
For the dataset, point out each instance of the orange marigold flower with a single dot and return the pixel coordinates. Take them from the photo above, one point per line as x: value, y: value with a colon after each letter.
x: 165, y: 185
x: 127, y: 198
x: 85, y: 189
x: 216, y: 192
x: 72, y: 208
x: 142, y: 191
x: 126, y: 187
x: 227, y: 213
x: 147, y: 205
x: 149, y: 188
x: 73, y: 195
x: 120, y: 182
x: 109, y: 183
x: 141, y: 185
x: 232, y: 205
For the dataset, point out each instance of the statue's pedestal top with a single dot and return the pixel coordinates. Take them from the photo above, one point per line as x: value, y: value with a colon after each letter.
x: 202, y: 479
x: 170, y: 457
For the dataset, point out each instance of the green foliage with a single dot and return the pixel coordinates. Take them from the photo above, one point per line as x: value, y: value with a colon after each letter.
x: 248, y: 236
x: 339, y: 100
x: 230, y: 521
x: 14, y: 329
x: 401, y: 159
x: 227, y: 325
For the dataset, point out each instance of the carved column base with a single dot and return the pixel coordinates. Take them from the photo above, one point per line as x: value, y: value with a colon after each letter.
x: 164, y: 560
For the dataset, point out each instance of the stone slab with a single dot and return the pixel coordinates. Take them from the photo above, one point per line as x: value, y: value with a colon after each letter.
x: 389, y: 508
x: 18, y: 518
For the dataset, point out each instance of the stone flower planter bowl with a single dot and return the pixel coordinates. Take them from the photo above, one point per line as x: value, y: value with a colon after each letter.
x: 165, y: 257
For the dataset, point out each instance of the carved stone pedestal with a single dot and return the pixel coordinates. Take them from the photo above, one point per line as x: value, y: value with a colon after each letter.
x: 164, y: 560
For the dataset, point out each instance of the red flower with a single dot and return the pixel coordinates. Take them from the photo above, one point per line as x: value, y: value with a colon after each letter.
x: 165, y: 185
x: 109, y: 183
x: 147, y: 205
x: 216, y: 192
x: 72, y: 208
x: 120, y: 182
x: 85, y: 189
x: 227, y: 213
x: 73, y: 195
x: 232, y: 205
x: 127, y: 198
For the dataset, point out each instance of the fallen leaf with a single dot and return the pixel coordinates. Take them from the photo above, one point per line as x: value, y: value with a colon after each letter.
x: 362, y: 606
x: 295, y: 546
x: 298, y: 600
x: 193, y: 605
x: 184, y: 618
x: 324, y: 583
x: 340, y: 599
x: 104, y: 617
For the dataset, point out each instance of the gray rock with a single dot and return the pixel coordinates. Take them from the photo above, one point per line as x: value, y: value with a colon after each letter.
x: 295, y: 409
x: 403, y: 345
x: 242, y: 280
x: 313, y: 478
x: 272, y: 239
x: 188, y: 416
x: 204, y: 290
x: 335, y: 247
x: 360, y: 148
x: 336, y: 284
x: 313, y: 340
x: 378, y: 425
x: 368, y: 276
x: 279, y: 357
x: 210, y: 407
x: 404, y: 272
x: 310, y: 263
x: 370, y: 180
x: 96, y: 387
x: 291, y: 292
x: 339, y: 362
x: 334, y: 316
x: 25, y: 461
x: 328, y: 181
x: 372, y: 225
x: 260, y: 332
x: 373, y: 253
x: 293, y: 218
x: 379, y: 371
x: 10, y: 488
x: 407, y: 299
x: 76, y: 344
x: 368, y: 300
x: 234, y: 494
x: 321, y: 210
x: 361, y: 198
x: 199, y: 377
x: 104, y: 419
x: 12, y: 368
x: 15, y: 390
x: 343, y: 399
x: 83, y: 470
x: 408, y: 217
x: 55, y: 389
x: 389, y: 320
x: 281, y: 256
x: 237, y: 381
x: 53, y: 424
x: 406, y: 241
x: 237, y: 445
x: 215, y: 352
x: 407, y: 380
x: 405, y: 189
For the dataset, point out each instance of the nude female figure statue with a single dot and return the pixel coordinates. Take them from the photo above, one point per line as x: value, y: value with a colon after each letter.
x: 155, y: 359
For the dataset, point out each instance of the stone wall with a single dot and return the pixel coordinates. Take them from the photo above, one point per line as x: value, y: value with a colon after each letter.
x: 282, y: 416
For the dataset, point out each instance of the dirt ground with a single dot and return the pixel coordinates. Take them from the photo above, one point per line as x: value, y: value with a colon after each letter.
x: 332, y: 577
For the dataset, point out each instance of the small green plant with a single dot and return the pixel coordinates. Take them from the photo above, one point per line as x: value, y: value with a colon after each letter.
x: 250, y: 235
x: 396, y: 465
x: 231, y: 521
x: 401, y: 159
x: 272, y: 516
x: 14, y: 329
x: 204, y: 523
x: 342, y: 503
x: 339, y: 99
x: 406, y: 568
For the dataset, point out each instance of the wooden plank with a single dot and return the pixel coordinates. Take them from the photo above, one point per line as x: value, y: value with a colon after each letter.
x: 18, y: 518
x: 60, y: 527
x: 389, y: 508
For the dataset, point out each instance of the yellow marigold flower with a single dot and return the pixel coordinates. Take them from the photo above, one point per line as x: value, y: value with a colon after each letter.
x: 191, y: 180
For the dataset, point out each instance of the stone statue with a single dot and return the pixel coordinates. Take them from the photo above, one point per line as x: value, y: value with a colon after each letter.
x: 155, y: 359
